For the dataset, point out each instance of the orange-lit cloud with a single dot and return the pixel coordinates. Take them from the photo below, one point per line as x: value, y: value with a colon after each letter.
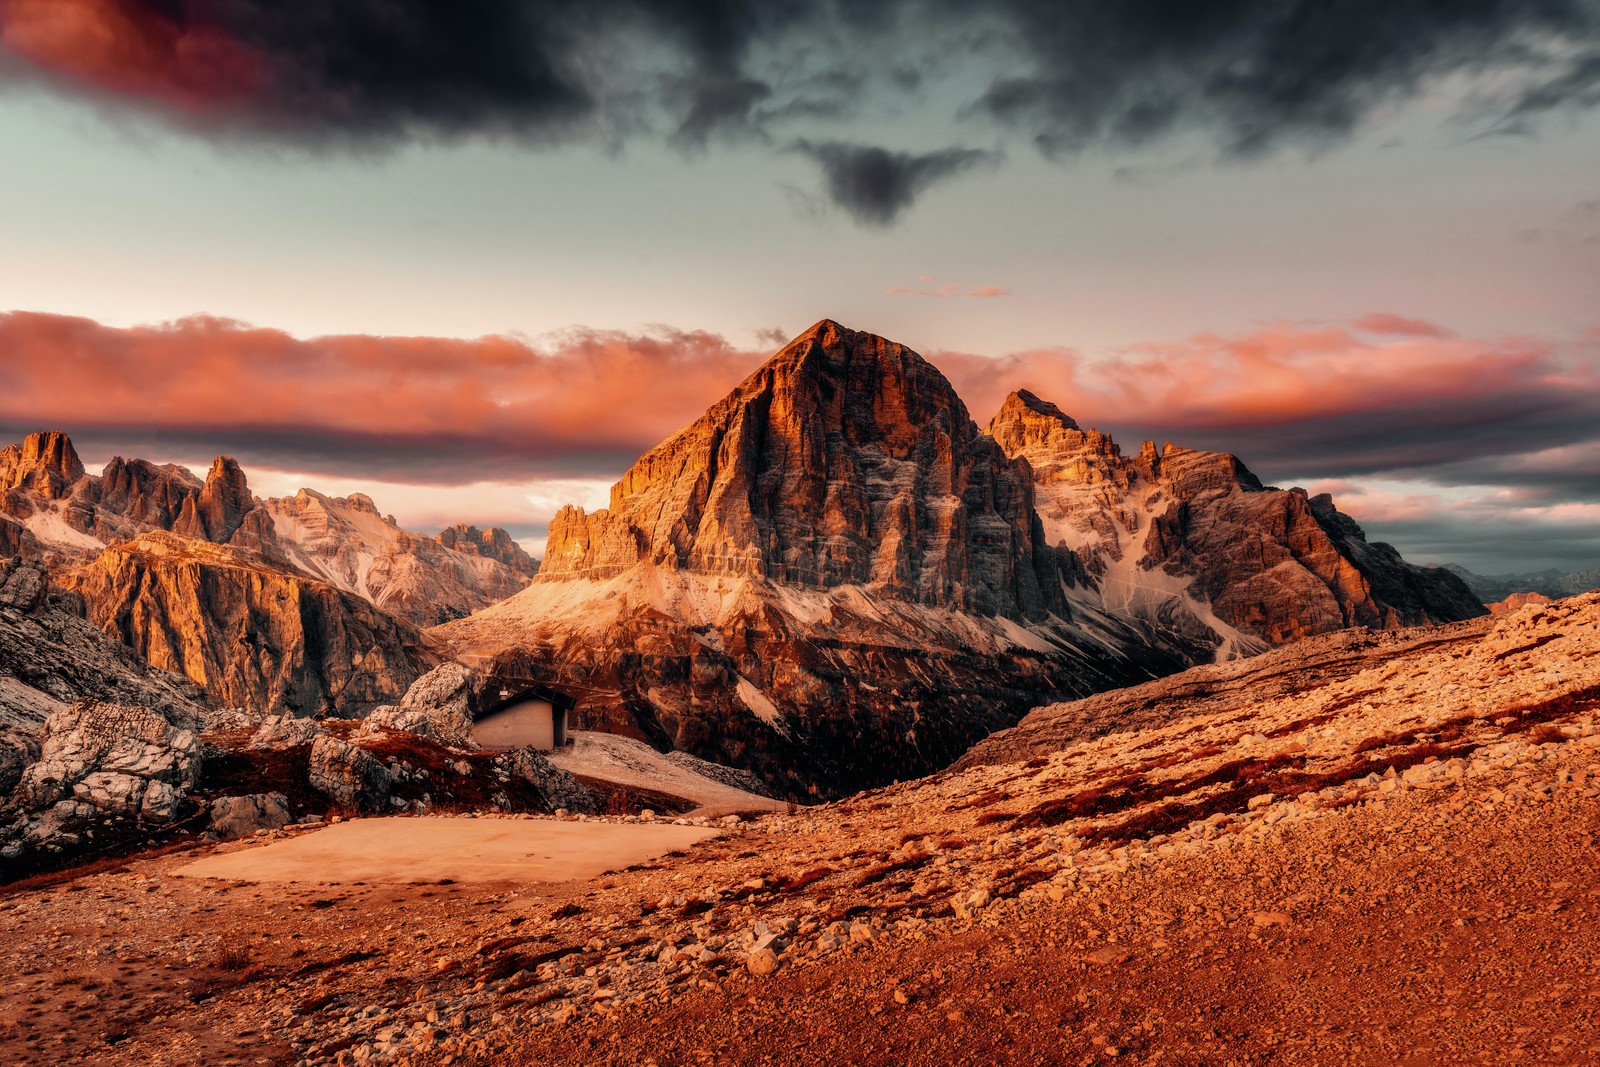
x: 403, y: 408
x: 132, y: 50
x: 1292, y: 399
x: 1316, y: 399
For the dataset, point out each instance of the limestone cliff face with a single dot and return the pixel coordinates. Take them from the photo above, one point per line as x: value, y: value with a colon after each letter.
x: 134, y: 496
x: 50, y: 656
x: 493, y: 543
x: 52, y: 509
x: 846, y: 460
x: 1188, y: 532
x: 218, y: 510
x: 45, y: 463
x: 248, y: 632
x: 346, y: 542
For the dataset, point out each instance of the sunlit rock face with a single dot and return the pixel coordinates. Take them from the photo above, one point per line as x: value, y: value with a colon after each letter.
x: 347, y: 543
x: 845, y: 460
x: 249, y: 633
x: 52, y: 509
x: 493, y: 543
x: 1177, y: 532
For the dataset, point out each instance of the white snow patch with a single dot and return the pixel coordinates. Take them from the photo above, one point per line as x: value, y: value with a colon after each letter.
x: 49, y: 527
x: 757, y: 702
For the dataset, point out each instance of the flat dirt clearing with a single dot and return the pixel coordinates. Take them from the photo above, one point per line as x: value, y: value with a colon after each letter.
x: 462, y: 850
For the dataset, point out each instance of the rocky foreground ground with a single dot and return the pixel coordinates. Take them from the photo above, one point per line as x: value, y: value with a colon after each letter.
x: 1388, y: 858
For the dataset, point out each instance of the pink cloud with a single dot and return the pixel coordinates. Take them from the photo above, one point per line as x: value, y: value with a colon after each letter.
x: 130, y: 49
x: 1312, y: 400
x: 1282, y: 373
x: 323, y: 403
x: 1387, y: 323
x: 925, y: 287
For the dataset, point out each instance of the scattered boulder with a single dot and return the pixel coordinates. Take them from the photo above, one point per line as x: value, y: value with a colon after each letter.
x: 349, y: 776
x: 557, y: 789
x: 447, y: 697
x: 114, y: 758
x: 243, y: 816
x: 286, y: 731
x: 389, y: 717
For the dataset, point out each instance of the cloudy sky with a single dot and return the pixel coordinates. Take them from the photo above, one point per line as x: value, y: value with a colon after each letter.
x: 473, y: 256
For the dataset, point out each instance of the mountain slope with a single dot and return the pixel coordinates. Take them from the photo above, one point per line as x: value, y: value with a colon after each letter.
x: 348, y: 544
x: 1550, y: 583
x: 247, y: 631
x: 1196, y: 539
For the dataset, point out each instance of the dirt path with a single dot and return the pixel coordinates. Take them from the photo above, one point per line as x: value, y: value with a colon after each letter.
x: 512, y: 851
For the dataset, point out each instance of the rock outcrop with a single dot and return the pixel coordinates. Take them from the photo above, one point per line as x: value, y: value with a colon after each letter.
x: 554, y: 787
x: 44, y: 463
x: 1193, y: 539
x: 493, y: 543
x: 348, y: 775
x: 447, y: 698
x: 114, y: 759
x: 1517, y: 601
x: 244, y: 816
x: 845, y: 460
x: 247, y: 632
x: 217, y: 512
x: 285, y: 731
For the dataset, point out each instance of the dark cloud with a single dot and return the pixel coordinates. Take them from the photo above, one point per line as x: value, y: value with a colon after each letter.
x: 1254, y: 73
x: 875, y: 184
x: 718, y: 103
x: 1069, y: 74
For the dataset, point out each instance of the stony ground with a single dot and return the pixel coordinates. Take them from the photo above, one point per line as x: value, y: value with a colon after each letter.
x: 1390, y: 864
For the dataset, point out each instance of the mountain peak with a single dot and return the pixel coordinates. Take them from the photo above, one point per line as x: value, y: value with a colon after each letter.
x: 846, y: 459
x: 45, y: 462
x: 820, y: 330
x: 1022, y: 401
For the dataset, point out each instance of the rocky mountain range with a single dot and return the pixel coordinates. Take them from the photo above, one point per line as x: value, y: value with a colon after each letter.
x: 835, y: 579
x: 308, y: 604
x: 1193, y: 541
x: 52, y: 508
x: 1551, y: 583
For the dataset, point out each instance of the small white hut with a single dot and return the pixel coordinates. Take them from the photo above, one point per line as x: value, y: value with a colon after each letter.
x: 524, y: 716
